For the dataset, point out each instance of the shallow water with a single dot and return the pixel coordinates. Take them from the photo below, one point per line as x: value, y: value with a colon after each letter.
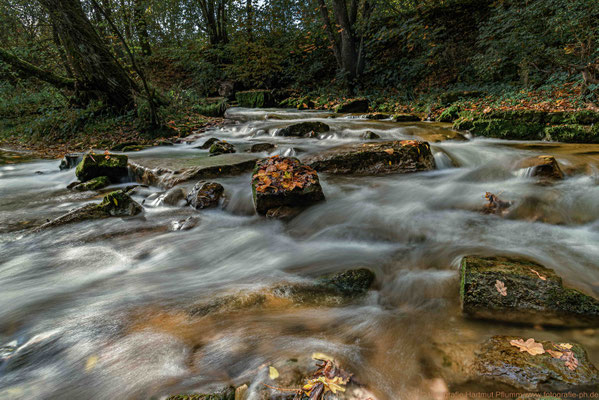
x: 98, y: 309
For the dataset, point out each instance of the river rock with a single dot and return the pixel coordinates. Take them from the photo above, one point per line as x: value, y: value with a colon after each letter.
x: 283, y: 213
x: 304, y: 129
x: 544, y: 167
x: 208, y: 143
x: 121, y: 146
x: 496, y: 363
x: 377, y: 116
x: 70, y: 161
x: 115, y: 204
x: 205, y: 195
x: 329, y: 290
x: 176, y: 196
x: 262, y: 148
x: 533, y: 294
x: 93, y: 184
x: 284, y: 181
x: 406, y: 118
x: 353, y: 106
x: 113, y: 166
x: 375, y: 158
x: 185, y: 224
x: 370, y: 135
x: 221, y: 147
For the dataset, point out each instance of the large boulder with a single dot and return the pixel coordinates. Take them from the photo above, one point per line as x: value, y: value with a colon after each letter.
x: 304, y: 129
x: 255, y: 98
x: 375, y: 158
x: 406, y: 118
x: 115, y: 204
x: 205, y: 195
x: 70, y: 160
x: 544, y: 167
x: 499, y: 361
x: 113, y: 166
x: 208, y: 143
x: 522, y: 291
x: 353, y: 106
x: 284, y: 181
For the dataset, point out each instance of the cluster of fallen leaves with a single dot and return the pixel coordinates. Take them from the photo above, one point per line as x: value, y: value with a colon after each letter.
x: 328, y: 378
x: 279, y: 174
x: 495, y: 205
x: 562, y: 351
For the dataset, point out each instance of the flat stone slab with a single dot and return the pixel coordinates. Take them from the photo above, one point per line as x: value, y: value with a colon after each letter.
x: 522, y: 291
x: 172, y: 170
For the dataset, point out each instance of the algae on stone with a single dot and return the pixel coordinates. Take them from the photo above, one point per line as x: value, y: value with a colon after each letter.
x: 93, y: 184
x: 113, y: 166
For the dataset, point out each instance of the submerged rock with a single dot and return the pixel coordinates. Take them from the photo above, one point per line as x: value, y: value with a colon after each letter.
x: 375, y: 159
x: 283, y: 213
x: 93, y: 184
x: 545, y: 167
x: 521, y: 291
x: 225, y: 394
x: 113, y: 166
x: 370, y: 135
x: 185, y: 224
x: 353, y: 106
x: 221, y: 147
x: 172, y: 197
x: 496, y: 363
x: 70, y: 161
x: 115, y: 204
x: 329, y: 290
x: 262, y: 148
x: 205, y: 195
x: 284, y: 182
x: 304, y: 129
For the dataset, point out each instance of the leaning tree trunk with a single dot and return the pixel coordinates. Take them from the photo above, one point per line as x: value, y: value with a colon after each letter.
x: 97, y: 73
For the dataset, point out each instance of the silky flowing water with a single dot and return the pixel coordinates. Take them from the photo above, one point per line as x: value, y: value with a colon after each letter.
x: 97, y: 309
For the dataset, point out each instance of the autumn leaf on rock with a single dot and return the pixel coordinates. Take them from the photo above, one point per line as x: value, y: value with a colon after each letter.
x: 541, y: 277
x: 500, y: 286
x: 530, y: 346
x: 273, y: 373
x: 388, y: 151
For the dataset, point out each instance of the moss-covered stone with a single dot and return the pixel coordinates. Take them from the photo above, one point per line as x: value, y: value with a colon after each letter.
x: 328, y: 290
x: 507, y: 129
x: 463, y: 124
x: 353, y: 106
x: 375, y: 158
x: 208, y: 143
x: 377, y: 116
x: 304, y: 129
x: 262, y: 147
x: 311, y: 193
x: 497, y: 365
x: 115, y: 204
x: 370, y: 135
x: 137, y: 147
x: 255, y: 98
x: 221, y: 147
x: 94, y: 184
x: 573, y: 133
x: 406, y: 118
x: 530, y: 299
x: 113, y: 166
x: 121, y: 146
x: 450, y: 114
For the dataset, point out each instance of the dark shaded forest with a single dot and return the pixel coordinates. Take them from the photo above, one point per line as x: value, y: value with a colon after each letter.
x: 69, y: 68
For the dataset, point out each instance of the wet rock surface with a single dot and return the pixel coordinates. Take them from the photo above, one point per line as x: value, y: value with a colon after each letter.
x: 93, y: 184
x: 205, y: 195
x: 498, y: 365
x: 221, y: 147
x: 113, y: 166
x: 225, y: 394
x: 374, y: 159
x: 208, y: 143
x: 533, y: 294
x: 70, y: 161
x: 406, y: 118
x: 262, y: 148
x: 304, y: 129
x: 185, y: 224
x: 284, y: 182
x: 544, y: 167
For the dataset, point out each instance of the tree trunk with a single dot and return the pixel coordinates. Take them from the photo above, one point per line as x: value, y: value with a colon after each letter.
x: 31, y: 70
x: 97, y: 73
x: 215, y: 19
x: 141, y: 27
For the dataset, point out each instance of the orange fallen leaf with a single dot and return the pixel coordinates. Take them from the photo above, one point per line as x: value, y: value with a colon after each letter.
x: 500, y: 286
x: 388, y: 151
x: 530, y: 346
x: 541, y: 277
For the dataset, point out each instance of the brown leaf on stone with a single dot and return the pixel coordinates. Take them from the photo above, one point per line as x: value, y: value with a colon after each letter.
x: 500, y: 286
x: 555, y: 354
x: 541, y: 277
x: 388, y: 151
x: 530, y: 346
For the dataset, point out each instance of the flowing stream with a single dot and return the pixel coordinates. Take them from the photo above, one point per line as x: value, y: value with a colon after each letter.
x: 96, y: 310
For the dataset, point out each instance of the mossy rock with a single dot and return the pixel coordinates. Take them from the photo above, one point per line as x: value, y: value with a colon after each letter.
x: 225, y: 394
x: 573, y: 133
x: 353, y: 106
x: 375, y: 158
x: 530, y: 299
x: 507, y: 129
x: 255, y: 98
x: 326, y: 291
x: 450, y: 114
x: 377, y: 116
x: 138, y: 147
x: 121, y: 146
x: 498, y: 365
x: 406, y: 118
x: 113, y: 166
x: 94, y: 184
x: 303, y: 197
x: 115, y: 204
x: 370, y: 135
x: 211, y: 110
x: 463, y: 124
x: 304, y: 129
x: 221, y: 147
x: 208, y: 143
